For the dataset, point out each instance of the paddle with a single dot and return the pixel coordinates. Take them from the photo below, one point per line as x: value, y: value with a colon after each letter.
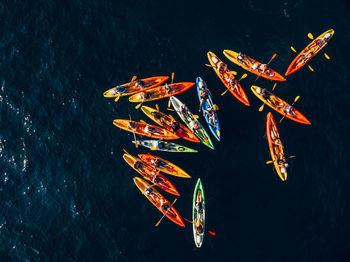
x: 133, y: 78
x: 262, y: 107
x: 311, y: 69
x: 273, y: 57
x: 274, y: 86
x: 271, y: 161
x: 242, y: 77
x: 157, y: 107
x: 296, y: 99
x: 309, y: 35
x: 139, y: 105
x: 216, y: 108
x: 136, y: 144
x: 210, y: 232
x: 117, y: 97
x: 166, y: 212
x: 172, y: 79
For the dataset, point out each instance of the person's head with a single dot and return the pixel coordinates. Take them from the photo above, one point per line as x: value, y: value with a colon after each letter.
x: 137, y: 164
x: 200, y: 84
x: 147, y: 191
x: 259, y: 90
x: 214, y: 59
x: 156, y: 179
x: 327, y: 36
x: 132, y: 125
x: 283, y: 170
x: 239, y: 57
x: 285, y: 164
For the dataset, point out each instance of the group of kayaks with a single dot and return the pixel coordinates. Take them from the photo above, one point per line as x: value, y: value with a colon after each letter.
x: 152, y: 167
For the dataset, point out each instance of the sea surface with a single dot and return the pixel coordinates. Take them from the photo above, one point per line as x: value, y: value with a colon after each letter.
x: 67, y: 195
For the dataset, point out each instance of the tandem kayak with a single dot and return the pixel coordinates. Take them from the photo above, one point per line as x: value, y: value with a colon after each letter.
x: 150, y: 174
x: 227, y: 78
x: 213, y: 123
x: 309, y: 52
x: 161, y: 145
x: 159, y: 201
x: 163, y: 165
x: 198, y: 213
x: 144, y: 129
x: 279, y: 105
x: 252, y: 66
x: 191, y: 122
x: 170, y: 124
x: 135, y: 86
x: 276, y: 147
x: 160, y: 92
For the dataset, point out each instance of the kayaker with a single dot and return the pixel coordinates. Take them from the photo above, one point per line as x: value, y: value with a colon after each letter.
x: 161, y: 144
x: 234, y: 85
x: 158, y: 116
x: 132, y: 125
x: 150, y: 192
x: 175, y: 125
x: 144, y: 95
x: 199, y: 226
x: 242, y: 58
x: 211, y: 116
x: 167, y: 208
x: 289, y: 110
x: 157, y: 163
x: 304, y: 58
x: 155, y: 179
x: 195, y: 127
x: 138, y: 165
x: 184, y: 111
x: 168, y: 89
x: 152, y: 130
x: 321, y: 42
x: 139, y: 83
x: 204, y: 94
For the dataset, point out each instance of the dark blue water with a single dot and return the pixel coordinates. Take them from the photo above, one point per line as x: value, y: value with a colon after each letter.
x: 67, y: 195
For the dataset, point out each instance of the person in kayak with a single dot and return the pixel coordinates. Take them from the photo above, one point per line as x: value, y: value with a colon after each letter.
x: 289, y: 110
x: 169, y: 89
x: 321, y: 42
x: 184, y: 111
x: 210, y: 113
x: 175, y: 125
x: 157, y: 163
x: 204, y: 94
x: 138, y: 165
x: 283, y: 165
x: 167, y: 208
x: 304, y: 58
x: 144, y: 95
x: 158, y: 117
x: 161, y: 145
x: 132, y: 125
x: 150, y: 192
x: 139, y: 83
x: 196, y: 128
x: 199, y: 226
x: 153, y: 130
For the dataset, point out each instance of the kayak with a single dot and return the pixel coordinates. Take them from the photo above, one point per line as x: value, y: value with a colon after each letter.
x: 145, y: 129
x: 279, y: 105
x: 309, y: 52
x: 165, y: 121
x: 214, y: 125
x: 252, y: 66
x: 158, y: 200
x: 192, y: 123
x: 135, y: 86
x: 227, y: 78
x: 163, y: 165
x: 198, y: 213
x: 160, y: 92
x: 164, y: 146
x: 151, y: 174
x: 276, y: 147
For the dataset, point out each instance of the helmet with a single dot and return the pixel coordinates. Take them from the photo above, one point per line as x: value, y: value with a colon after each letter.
x: 258, y: 90
x: 283, y: 170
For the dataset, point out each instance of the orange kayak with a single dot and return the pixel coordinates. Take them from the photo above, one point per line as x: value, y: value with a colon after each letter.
x: 150, y: 174
x: 159, y: 201
x: 166, y: 122
x: 160, y: 92
x: 227, y: 78
x: 135, y: 86
x: 144, y: 129
x: 309, y: 52
x: 276, y: 147
x: 279, y: 105
x: 252, y: 66
x: 163, y: 165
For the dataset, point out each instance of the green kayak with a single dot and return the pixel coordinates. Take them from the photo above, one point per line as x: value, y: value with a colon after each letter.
x: 198, y: 213
x: 191, y: 122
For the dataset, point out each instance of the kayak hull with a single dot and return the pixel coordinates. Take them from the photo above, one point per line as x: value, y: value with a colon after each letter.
x: 149, y: 172
x: 169, y: 147
x: 296, y: 64
x: 215, y: 129
x: 198, y: 217
x: 227, y: 78
x: 160, y: 92
x: 276, y: 151
x: 188, y: 118
x: 156, y: 201
x: 183, y: 132
x: 159, y: 132
x: 249, y: 62
x: 275, y: 103
x: 167, y: 167
x: 132, y: 88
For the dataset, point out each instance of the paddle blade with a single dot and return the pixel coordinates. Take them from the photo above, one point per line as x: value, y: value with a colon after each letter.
x: 224, y: 92
x: 274, y: 86
x: 172, y: 118
x: 169, y: 103
x: 296, y: 98
x: 269, y: 162
x: 292, y: 156
x: 170, y: 109
x: 233, y: 72
x: 293, y: 49
x: 216, y: 108
x: 309, y: 35
x: 157, y: 107
x: 196, y: 116
x: 311, y: 69
x: 212, y: 233
x: 208, y: 65
x: 153, y: 148
x: 126, y: 151
x: 138, y: 106
x: 172, y: 76
x: 143, y: 122
x: 243, y: 76
x: 261, y: 108
x: 117, y: 98
x: 326, y: 56
x: 133, y: 78
x: 273, y: 57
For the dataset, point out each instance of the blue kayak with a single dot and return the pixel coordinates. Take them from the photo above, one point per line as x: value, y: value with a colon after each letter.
x: 214, y: 125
